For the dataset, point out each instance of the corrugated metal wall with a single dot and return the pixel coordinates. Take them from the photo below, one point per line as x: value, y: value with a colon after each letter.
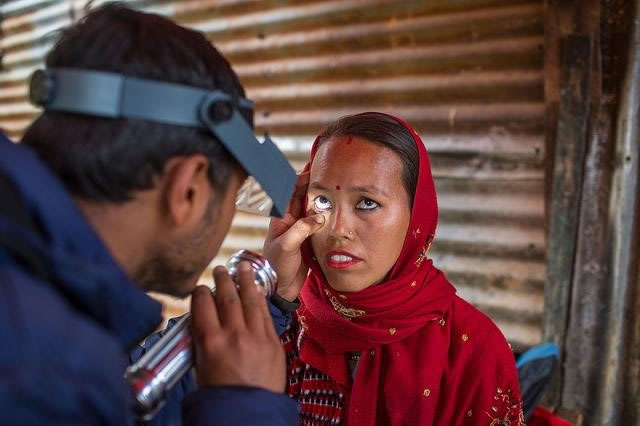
x: 466, y: 73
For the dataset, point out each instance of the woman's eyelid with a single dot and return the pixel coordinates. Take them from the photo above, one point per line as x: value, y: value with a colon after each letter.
x: 317, y: 200
x: 365, y: 200
x: 324, y: 197
x: 320, y: 198
x: 314, y: 196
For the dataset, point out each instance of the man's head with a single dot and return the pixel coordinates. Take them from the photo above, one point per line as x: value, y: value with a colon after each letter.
x: 161, y: 196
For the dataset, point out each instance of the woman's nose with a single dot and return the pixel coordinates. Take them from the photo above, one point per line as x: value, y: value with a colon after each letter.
x: 341, y: 225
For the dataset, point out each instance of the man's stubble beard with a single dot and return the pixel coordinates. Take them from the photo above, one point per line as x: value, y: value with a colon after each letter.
x: 173, y: 267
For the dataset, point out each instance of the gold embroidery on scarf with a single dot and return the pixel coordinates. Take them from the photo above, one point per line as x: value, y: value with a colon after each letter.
x: 423, y: 253
x: 421, y: 257
x: 430, y: 241
x: 342, y: 310
x: 510, y: 414
x: 301, y: 333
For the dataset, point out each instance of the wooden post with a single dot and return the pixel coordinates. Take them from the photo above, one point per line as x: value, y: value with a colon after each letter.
x: 571, y: 139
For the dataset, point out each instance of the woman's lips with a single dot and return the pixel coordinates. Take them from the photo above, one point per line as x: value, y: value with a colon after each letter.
x: 341, y: 259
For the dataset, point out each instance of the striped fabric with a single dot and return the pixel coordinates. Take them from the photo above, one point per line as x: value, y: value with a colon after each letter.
x: 321, y: 399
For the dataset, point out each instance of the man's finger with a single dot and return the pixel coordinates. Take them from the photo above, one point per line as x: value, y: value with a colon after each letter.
x: 278, y: 226
x: 302, y: 182
x: 250, y: 297
x: 297, y: 200
x: 204, y: 315
x: 227, y: 300
x: 300, y: 231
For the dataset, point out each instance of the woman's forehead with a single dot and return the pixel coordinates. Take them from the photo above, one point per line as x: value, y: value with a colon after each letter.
x: 357, y: 162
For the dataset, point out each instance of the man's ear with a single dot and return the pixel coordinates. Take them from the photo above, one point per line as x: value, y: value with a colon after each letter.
x: 187, y: 189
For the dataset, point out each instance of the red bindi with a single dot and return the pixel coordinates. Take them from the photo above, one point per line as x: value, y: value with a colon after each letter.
x: 349, y: 140
x: 338, y: 187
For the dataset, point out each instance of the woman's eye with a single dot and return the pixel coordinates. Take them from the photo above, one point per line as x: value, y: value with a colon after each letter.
x: 321, y: 203
x: 367, y: 204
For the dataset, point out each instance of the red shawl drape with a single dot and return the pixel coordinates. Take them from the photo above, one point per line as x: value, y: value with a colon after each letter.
x: 428, y: 357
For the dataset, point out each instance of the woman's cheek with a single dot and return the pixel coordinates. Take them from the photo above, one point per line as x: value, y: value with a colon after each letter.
x: 316, y: 242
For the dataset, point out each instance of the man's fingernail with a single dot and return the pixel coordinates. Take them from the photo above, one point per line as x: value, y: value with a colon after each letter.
x: 244, y: 266
x: 219, y: 269
x: 319, y: 218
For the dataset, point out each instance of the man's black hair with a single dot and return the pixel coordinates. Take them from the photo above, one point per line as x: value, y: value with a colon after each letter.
x: 102, y: 159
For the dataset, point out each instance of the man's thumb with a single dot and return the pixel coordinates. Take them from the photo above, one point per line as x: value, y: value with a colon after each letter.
x: 301, y: 230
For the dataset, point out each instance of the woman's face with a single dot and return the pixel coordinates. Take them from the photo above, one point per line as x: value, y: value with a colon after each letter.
x: 357, y: 184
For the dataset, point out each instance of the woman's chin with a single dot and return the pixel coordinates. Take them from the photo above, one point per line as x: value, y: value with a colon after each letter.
x: 347, y: 286
x: 343, y: 280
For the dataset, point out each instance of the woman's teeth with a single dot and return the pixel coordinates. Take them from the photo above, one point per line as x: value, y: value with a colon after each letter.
x: 341, y: 258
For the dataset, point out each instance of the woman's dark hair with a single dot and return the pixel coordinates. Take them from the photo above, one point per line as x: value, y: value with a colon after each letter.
x: 384, y: 130
x: 105, y: 159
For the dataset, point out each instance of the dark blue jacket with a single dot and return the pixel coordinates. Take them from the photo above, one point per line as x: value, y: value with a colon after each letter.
x: 69, y: 316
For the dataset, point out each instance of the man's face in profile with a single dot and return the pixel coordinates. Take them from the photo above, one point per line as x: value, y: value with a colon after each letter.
x: 178, y: 257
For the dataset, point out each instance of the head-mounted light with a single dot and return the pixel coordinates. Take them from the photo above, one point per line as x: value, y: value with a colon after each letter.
x: 114, y: 95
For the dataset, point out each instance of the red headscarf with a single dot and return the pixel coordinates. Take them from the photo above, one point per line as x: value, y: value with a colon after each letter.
x: 404, y: 329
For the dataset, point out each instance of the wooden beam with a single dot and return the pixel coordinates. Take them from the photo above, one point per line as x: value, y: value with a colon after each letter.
x: 571, y: 140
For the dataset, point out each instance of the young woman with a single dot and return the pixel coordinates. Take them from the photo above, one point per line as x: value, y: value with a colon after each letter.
x: 380, y: 337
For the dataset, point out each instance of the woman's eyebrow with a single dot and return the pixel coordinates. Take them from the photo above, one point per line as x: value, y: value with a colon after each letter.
x: 359, y: 188
x: 316, y: 185
x: 367, y: 188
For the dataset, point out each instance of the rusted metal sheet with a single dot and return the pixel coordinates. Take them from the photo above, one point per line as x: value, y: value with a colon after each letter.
x: 467, y: 74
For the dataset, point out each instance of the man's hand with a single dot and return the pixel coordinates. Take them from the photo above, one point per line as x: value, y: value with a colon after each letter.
x: 284, y: 239
x: 235, y: 340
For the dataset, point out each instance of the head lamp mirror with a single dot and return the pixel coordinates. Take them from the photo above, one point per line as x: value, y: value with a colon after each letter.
x: 112, y: 95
